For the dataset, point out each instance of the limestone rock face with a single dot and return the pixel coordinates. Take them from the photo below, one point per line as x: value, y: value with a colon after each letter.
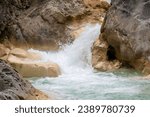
x: 126, y: 28
x: 37, y: 23
x: 13, y: 87
x: 9, y: 10
x: 43, y: 24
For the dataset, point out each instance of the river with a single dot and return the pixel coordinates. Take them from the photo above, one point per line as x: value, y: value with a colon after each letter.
x: 80, y: 81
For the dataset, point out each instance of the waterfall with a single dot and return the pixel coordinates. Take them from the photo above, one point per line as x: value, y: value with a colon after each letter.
x: 75, y: 57
x: 109, y: 1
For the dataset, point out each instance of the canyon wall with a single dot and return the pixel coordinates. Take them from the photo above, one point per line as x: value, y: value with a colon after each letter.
x: 44, y: 24
x: 126, y: 30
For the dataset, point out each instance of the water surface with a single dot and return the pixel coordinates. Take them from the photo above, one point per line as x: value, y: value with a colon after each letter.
x: 80, y: 81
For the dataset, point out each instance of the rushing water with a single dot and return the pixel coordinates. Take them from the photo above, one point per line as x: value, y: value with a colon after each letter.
x: 109, y: 1
x: 80, y: 81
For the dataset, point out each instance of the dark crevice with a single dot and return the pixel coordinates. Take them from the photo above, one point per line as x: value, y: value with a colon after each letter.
x: 111, y: 54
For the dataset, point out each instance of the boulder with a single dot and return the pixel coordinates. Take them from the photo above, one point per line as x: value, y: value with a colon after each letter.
x: 29, y: 64
x: 126, y: 29
x: 30, y: 68
x: 13, y: 87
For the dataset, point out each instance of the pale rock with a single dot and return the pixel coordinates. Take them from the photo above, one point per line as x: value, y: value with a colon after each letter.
x: 99, y: 52
x: 100, y: 56
x: 34, y: 69
x: 4, y: 51
x: 21, y: 53
x: 107, y: 65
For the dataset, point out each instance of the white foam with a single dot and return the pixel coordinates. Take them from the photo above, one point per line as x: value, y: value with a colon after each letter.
x: 76, y: 57
x: 109, y: 1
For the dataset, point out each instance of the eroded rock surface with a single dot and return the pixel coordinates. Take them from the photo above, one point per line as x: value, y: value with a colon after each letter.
x: 43, y: 24
x: 13, y: 87
x: 102, y: 56
x: 126, y: 28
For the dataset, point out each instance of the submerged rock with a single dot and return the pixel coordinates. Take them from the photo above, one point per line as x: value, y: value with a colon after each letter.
x: 126, y: 28
x: 13, y: 87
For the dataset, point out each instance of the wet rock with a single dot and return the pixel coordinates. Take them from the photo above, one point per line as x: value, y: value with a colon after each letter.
x: 126, y: 28
x: 13, y: 87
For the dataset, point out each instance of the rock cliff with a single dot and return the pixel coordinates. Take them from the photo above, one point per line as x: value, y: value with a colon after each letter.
x: 126, y: 30
x: 44, y: 24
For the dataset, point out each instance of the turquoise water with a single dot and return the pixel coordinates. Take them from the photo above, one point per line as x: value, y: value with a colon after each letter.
x: 121, y: 85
